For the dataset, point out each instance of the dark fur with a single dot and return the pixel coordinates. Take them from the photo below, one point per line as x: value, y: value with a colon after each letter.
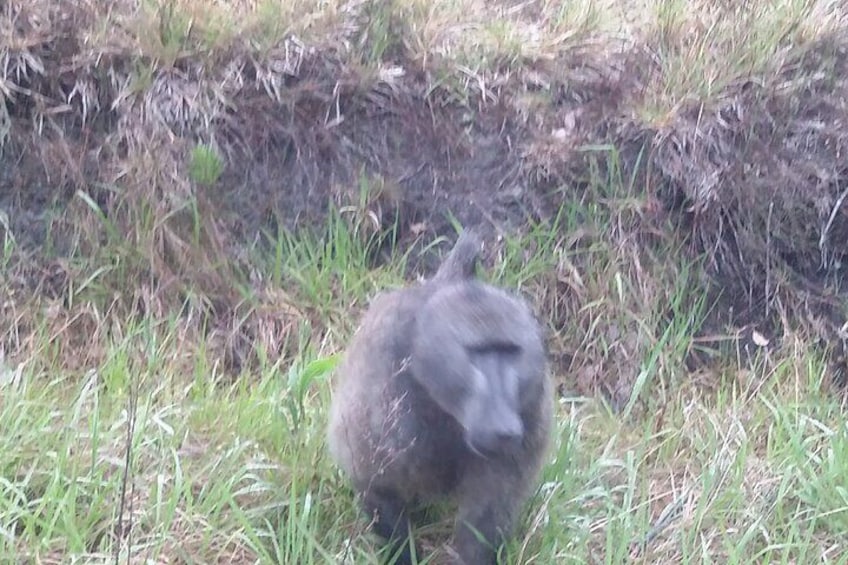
x: 443, y: 393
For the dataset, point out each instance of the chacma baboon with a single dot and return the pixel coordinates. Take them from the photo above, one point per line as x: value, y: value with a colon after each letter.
x: 443, y: 392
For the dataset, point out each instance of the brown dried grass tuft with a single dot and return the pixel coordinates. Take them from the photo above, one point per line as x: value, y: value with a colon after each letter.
x: 759, y: 179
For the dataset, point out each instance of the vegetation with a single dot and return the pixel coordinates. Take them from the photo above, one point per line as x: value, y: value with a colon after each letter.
x: 198, y: 199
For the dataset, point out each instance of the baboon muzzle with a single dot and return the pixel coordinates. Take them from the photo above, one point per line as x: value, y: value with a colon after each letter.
x: 493, y: 440
x: 494, y: 426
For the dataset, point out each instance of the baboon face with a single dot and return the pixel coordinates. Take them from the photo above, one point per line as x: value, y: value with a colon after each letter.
x: 487, y: 403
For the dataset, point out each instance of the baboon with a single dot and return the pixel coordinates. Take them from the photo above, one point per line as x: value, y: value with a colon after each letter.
x: 443, y: 393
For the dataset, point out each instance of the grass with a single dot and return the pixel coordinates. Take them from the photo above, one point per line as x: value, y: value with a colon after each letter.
x: 703, y: 51
x: 234, y: 468
x: 164, y: 384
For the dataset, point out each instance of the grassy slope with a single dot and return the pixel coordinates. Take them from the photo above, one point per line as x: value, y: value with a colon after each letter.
x: 745, y: 463
x: 750, y: 467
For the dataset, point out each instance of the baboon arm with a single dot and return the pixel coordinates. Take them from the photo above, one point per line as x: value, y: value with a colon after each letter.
x: 488, y: 506
x: 390, y: 521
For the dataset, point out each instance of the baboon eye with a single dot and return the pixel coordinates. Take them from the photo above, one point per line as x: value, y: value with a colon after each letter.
x: 499, y: 348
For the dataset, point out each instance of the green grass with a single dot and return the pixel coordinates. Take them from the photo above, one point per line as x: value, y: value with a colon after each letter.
x: 747, y: 467
x: 240, y: 470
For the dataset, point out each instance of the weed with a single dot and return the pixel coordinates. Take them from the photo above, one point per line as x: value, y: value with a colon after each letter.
x: 8, y: 241
x: 205, y: 165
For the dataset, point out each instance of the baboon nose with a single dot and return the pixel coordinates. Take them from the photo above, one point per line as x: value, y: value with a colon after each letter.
x: 510, y: 426
x: 513, y: 429
x: 493, y: 440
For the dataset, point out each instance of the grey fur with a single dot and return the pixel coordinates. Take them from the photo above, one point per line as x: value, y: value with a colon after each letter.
x: 461, y: 263
x: 443, y: 392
